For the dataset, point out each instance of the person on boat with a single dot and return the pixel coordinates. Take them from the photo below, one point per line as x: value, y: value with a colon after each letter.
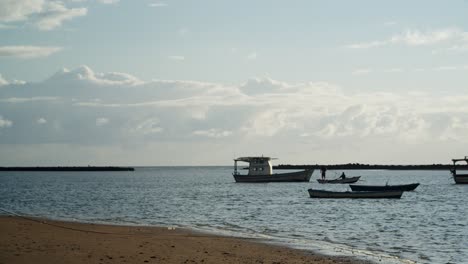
x: 343, y: 176
x: 323, y: 170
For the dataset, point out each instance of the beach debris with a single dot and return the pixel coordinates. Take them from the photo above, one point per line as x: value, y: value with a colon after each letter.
x: 171, y: 228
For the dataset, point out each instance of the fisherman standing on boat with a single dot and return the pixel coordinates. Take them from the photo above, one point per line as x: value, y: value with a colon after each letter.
x: 343, y: 176
x: 323, y: 170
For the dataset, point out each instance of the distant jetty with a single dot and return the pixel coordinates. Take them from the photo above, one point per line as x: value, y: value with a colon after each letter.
x: 82, y: 168
x: 358, y: 166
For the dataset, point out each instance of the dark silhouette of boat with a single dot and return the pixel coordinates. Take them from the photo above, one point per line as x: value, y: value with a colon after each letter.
x: 355, y: 195
x: 261, y: 170
x: 340, y: 180
x: 367, y: 188
x: 459, y: 178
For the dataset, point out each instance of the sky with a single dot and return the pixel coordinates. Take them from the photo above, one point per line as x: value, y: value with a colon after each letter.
x: 154, y: 83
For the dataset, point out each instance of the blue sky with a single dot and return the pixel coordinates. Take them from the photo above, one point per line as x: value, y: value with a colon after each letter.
x: 306, y: 81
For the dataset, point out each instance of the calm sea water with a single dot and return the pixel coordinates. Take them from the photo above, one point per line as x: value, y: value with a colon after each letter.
x: 428, y: 225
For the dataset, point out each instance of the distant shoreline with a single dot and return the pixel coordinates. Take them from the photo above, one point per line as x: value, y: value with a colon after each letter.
x: 358, y: 166
x: 76, y: 168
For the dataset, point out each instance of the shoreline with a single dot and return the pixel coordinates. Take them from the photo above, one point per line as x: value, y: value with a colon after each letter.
x: 69, y: 168
x: 37, y: 240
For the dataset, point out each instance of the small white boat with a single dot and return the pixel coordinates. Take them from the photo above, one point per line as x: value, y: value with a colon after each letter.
x: 459, y: 178
x: 261, y: 170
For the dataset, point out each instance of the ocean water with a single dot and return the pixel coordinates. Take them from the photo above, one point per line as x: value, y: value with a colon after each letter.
x: 429, y: 225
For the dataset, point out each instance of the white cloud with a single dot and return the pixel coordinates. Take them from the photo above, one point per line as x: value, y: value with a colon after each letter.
x: 393, y: 70
x: 55, y: 13
x: 26, y: 52
x: 411, y: 37
x: 446, y: 68
x: 85, y: 108
x: 19, y: 10
x: 212, y: 133
x: 84, y: 73
x: 158, y: 4
x: 41, y: 121
x: 367, y: 45
x: 5, y: 122
x: 45, y: 15
x: 2, y: 81
x: 101, y: 121
x: 149, y: 126
x: 107, y: 2
x: 28, y: 99
x: 252, y: 56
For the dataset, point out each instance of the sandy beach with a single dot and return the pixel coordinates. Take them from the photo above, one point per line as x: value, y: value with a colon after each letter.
x: 45, y: 241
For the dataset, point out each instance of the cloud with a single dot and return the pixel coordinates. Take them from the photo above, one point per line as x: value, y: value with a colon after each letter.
x: 252, y: 56
x: 108, y: 2
x: 101, y: 121
x: 83, y: 108
x: 85, y: 73
x: 158, y: 4
x: 5, y: 82
x: 2, y: 81
x: 26, y: 99
x: 45, y: 15
x: 56, y: 13
x: 5, y: 122
x: 19, y: 10
x: 413, y: 38
x: 149, y: 126
x: 446, y: 68
x: 41, y: 121
x: 27, y: 52
x: 394, y: 70
x: 212, y: 133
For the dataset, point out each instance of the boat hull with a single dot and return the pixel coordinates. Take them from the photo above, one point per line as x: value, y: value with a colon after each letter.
x: 299, y: 176
x: 460, y: 178
x: 345, y: 180
x: 355, y: 195
x: 367, y: 188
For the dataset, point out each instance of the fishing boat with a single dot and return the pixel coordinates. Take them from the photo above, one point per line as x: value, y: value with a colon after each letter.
x: 261, y: 170
x: 367, y: 188
x: 355, y: 195
x: 340, y: 180
x: 459, y: 178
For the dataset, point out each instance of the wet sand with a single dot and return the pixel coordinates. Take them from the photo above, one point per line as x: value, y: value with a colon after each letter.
x: 45, y: 241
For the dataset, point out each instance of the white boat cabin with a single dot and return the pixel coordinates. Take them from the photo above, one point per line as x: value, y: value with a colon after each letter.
x: 455, y: 161
x: 257, y: 165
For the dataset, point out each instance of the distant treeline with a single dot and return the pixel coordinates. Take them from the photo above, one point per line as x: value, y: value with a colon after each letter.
x: 358, y: 166
x: 83, y: 168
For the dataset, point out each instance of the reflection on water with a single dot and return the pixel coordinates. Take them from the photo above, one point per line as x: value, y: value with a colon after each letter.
x: 427, y: 226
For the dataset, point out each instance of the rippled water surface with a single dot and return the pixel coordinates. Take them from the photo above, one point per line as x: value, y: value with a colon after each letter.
x: 429, y: 225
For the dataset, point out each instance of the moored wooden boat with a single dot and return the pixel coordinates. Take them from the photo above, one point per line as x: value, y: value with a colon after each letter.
x: 261, y: 171
x: 355, y: 195
x: 341, y: 180
x: 400, y: 187
x: 457, y: 177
